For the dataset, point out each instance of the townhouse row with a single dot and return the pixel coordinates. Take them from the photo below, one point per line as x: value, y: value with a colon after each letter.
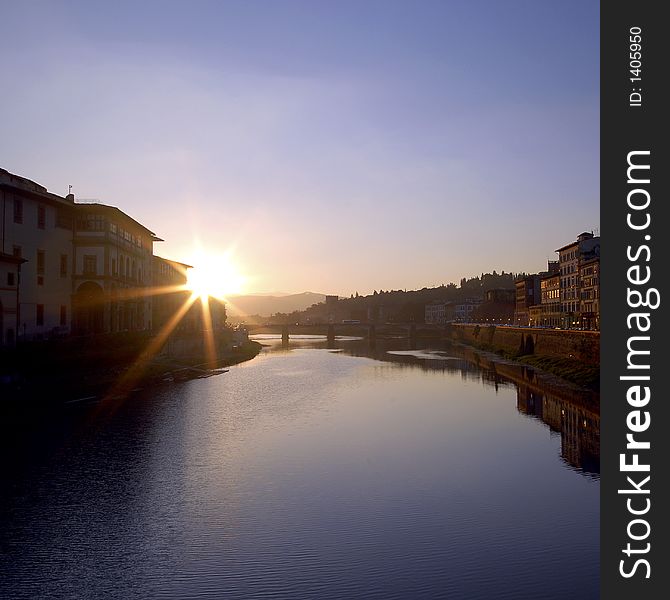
x: 566, y: 295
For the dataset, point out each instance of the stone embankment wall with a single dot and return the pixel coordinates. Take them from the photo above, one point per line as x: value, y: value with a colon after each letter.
x: 582, y: 345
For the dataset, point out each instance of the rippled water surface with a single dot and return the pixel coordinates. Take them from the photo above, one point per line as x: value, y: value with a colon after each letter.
x: 308, y: 473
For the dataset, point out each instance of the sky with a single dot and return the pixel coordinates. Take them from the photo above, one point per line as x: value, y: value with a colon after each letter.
x: 335, y: 147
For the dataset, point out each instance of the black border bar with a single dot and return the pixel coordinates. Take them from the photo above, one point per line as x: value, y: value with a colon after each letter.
x: 634, y: 119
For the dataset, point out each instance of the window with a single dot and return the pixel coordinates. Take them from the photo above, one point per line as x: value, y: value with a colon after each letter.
x: 113, y: 266
x: 41, y: 217
x: 16, y: 251
x: 40, y: 262
x: 18, y: 210
x: 90, y: 264
x: 10, y: 279
x: 63, y: 265
x: 39, y: 315
x: 91, y: 222
x: 63, y: 315
x: 63, y: 218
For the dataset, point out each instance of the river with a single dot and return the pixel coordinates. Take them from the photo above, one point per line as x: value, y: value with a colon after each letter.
x: 336, y: 472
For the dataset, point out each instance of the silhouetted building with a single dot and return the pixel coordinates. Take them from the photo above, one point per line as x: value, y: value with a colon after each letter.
x: 527, y: 295
x: 169, y: 280
x: 502, y: 295
x: 37, y: 226
x: 498, y: 307
x: 112, y: 271
x: 87, y: 267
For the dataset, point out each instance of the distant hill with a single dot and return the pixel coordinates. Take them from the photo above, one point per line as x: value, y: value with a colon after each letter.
x: 268, y: 305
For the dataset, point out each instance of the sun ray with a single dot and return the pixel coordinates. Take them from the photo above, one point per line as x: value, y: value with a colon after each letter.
x: 135, y: 372
x: 208, y: 332
x: 143, y: 292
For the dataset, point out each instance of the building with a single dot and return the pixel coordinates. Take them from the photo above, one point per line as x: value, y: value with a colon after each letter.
x: 527, y: 295
x: 569, y: 258
x: 535, y: 315
x: 532, y: 300
x: 463, y: 311
x: 10, y: 277
x: 37, y: 226
x: 331, y: 308
x: 589, y: 281
x: 169, y: 280
x: 111, y: 276
x: 498, y: 307
x: 550, y: 300
x: 501, y: 295
x: 78, y: 268
x: 439, y: 313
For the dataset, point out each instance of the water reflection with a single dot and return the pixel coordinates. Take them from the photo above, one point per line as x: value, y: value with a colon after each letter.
x: 317, y: 470
x: 564, y: 408
x: 578, y: 426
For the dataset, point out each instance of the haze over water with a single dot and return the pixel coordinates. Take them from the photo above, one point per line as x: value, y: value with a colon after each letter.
x: 307, y: 473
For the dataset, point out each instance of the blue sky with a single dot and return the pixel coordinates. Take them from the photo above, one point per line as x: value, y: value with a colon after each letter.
x: 330, y: 146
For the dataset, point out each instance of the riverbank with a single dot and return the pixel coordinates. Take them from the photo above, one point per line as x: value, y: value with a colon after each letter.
x: 55, y: 374
x: 582, y: 346
x: 555, y: 372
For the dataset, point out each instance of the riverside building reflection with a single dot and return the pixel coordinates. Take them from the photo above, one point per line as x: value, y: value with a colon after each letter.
x: 578, y: 426
x: 565, y: 409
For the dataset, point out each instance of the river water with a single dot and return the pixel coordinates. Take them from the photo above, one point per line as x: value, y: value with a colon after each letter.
x: 309, y: 472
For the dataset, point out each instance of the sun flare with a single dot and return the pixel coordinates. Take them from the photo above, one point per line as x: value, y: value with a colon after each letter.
x: 214, y: 275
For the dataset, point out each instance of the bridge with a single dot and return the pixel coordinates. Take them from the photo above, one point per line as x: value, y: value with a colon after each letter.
x: 365, y: 330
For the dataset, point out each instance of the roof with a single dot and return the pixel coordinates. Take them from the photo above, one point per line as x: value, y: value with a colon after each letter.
x: 118, y: 212
x: 584, y: 236
x: 570, y: 245
x: 26, y: 187
x: 173, y: 262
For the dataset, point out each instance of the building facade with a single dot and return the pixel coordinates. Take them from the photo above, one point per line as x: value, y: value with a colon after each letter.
x: 169, y: 281
x: 439, y: 313
x: 550, y: 300
x: 10, y: 277
x: 570, y: 257
x: 463, y: 311
x: 589, y: 278
x: 37, y: 226
x: 527, y: 295
x: 80, y: 268
x: 111, y: 277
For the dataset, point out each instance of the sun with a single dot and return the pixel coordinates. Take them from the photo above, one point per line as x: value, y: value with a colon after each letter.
x: 214, y: 275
